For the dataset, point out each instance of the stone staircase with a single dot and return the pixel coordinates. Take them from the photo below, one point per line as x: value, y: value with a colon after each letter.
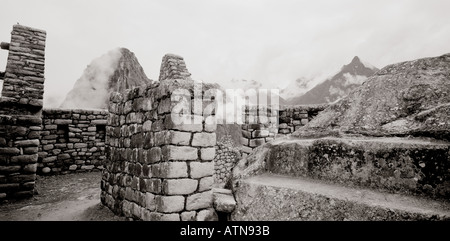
x: 344, y: 179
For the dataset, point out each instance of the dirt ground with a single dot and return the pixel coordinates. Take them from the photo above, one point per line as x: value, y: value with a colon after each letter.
x: 71, y: 197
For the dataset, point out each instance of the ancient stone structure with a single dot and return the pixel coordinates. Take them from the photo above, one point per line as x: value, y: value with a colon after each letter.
x: 291, y: 118
x: 159, y: 168
x: 260, y: 126
x: 381, y: 153
x: 20, y: 111
x: 226, y: 158
x: 72, y: 140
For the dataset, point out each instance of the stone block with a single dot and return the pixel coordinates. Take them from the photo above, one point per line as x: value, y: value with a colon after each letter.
x: 170, y: 170
x: 169, y: 204
x: 207, y: 215
x: 179, y: 186
x: 180, y: 138
x: 87, y: 167
x: 153, y: 185
x: 188, y: 216
x: 9, y: 169
x: 244, y: 141
x: 150, y: 201
x: 201, y: 169
x: 30, y: 168
x: 204, y: 139
x: 208, y: 154
x: 26, y: 143
x: 9, y: 150
x: 257, y: 142
x: 63, y: 156
x: 154, y: 155
x: 147, y: 126
x: 260, y: 133
x: 224, y: 202
x: 73, y: 167
x: 179, y: 153
x: 49, y: 159
x: 246, y: 149
x: 206, y: 184
x: 63, y: 121
x: 46, y: 170
x: 247, y: 134
x: 188, y: 123
x: 170, y: 217
x: 199, y: 201
x: 25, y: 159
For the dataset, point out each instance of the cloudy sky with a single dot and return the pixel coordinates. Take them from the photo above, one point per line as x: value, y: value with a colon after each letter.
x: 271, y: 41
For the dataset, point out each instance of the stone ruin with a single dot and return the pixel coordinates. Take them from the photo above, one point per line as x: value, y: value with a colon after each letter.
x: 155, y: 168
x: 21, y: 104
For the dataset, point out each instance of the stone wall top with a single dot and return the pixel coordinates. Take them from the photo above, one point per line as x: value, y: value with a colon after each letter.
x: 173, y: 67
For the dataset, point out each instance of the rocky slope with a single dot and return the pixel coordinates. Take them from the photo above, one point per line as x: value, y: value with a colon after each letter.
x: 116, y: 70
x: 408, y: 98
x: 349, y: 77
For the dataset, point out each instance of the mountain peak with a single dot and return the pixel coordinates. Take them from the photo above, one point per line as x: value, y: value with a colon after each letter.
x: 356, y: 60
x: 116, y: 70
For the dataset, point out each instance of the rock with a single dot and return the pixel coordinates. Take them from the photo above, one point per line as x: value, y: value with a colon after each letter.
x: 73, y: 167
x: 199, y: 201
x: 207, y: 215
x: 46, y: 170
x: 406, y: 98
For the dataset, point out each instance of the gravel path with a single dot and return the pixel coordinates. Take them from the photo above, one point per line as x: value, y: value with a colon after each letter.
x: 71, y: 197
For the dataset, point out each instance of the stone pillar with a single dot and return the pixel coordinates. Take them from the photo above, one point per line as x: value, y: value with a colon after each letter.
x: 157, y: 168
x: 20, y: 112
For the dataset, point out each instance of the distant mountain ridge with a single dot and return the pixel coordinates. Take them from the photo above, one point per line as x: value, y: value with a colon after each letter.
x: 117, y: 70
x: 349, y: 77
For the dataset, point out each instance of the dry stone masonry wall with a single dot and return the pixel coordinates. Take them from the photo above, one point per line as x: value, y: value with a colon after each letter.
x: 260, y: 126
x: 72, y: 140
x: 173, y: 67
x: 20, y: 111
x: 158, y: 169
x: 226, y: 158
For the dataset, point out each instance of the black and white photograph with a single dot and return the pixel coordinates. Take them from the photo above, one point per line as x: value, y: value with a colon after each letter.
x: 254, y: 115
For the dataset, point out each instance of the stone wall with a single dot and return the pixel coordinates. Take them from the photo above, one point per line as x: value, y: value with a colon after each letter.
x: 72, y: 140
x: 260, y: 126
x: 20, y: 111
x: 157, y: 168
x: 291, y: 118
x: 226, y: 158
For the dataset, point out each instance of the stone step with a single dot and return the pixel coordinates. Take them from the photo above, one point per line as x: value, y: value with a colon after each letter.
x: 270, y: 197
x: 223, y: 200
x: 397, y: 165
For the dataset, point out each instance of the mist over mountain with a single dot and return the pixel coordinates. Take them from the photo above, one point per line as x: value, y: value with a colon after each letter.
x: 296, y: 88
x: 348, y: 78
x: 117, y: 70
